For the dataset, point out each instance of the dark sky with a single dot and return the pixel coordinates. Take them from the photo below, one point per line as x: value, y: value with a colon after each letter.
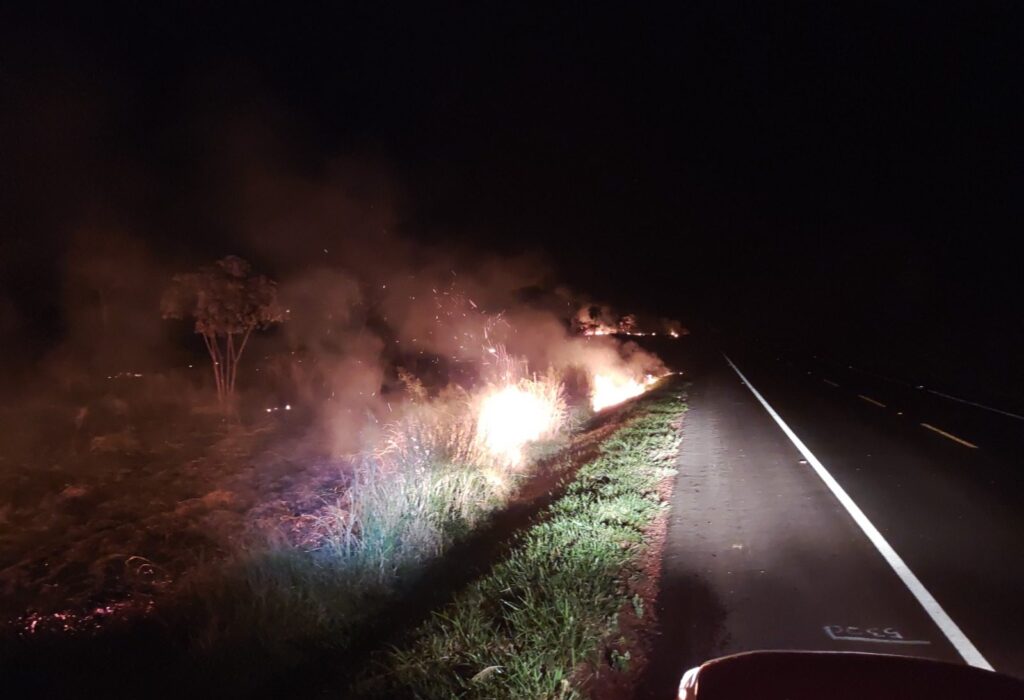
x: 849, y: 166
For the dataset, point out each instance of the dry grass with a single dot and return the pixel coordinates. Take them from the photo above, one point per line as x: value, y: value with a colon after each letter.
x: 258, y: 553
x: 433, y: 480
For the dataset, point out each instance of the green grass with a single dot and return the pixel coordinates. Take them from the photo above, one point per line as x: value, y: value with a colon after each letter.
x: 526, y: 629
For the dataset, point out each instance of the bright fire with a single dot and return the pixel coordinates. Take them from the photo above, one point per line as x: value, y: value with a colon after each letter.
x: 612, y: 389
x: 511, y: 417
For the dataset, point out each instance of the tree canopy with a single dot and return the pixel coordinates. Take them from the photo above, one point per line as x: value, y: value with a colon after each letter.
x: 227, y: 302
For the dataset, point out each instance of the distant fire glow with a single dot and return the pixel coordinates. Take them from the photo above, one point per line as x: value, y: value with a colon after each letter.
x: 612, y: 389
x: 514, y: 416
x: 604, y: 330
x: 601, y: 320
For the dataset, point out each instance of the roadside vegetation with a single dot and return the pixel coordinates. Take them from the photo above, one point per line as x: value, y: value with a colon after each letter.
x: 263, y: 559
x: 537, y: 624
x: 440, y: 471
x: 271, y: 535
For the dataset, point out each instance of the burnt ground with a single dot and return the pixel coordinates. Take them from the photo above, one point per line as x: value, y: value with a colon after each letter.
x: 99, y: 526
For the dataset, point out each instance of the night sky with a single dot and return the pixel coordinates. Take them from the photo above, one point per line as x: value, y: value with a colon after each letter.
x: 840, y: 174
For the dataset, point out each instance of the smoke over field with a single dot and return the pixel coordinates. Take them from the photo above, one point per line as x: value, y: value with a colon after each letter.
x: 400, y: 394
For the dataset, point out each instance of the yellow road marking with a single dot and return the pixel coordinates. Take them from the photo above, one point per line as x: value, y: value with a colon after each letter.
x: 870, y: 400
x: 954, y: 438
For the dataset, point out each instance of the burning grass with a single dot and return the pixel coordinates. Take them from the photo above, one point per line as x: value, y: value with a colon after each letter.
x: 444, y: 466
x: 611, y: 389
x: 528, y: 628
x: 513, y: 416
x: 253, y: 548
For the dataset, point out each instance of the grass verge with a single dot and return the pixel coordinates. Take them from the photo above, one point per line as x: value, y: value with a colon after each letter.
x: 537, y: 622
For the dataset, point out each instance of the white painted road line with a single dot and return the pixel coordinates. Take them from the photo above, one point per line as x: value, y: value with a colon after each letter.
x: 958, y: 399
x: 952, y: 437
x: 830, y: 382
x: 931, y: 606
x: 976, y: 405
x: 870, y: 400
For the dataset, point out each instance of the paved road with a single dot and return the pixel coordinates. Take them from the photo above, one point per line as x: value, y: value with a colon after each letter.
x: 762, y: 555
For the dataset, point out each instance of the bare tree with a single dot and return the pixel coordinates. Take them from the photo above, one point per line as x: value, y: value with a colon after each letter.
x: 228, y: 302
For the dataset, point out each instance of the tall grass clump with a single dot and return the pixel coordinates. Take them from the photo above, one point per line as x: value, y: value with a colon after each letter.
x: 531, y: 625
x: 442, y: 465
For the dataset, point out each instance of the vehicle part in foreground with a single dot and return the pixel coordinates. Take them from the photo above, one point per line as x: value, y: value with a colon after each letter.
x: 812, y: 675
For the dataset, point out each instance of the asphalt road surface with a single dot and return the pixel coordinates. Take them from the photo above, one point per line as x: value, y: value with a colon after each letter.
x: 763, y: 554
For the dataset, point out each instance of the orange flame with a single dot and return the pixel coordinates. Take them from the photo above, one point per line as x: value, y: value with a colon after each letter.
x: 611, y: 389
x: 513, y: 416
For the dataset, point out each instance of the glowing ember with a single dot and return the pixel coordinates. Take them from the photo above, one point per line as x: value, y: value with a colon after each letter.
x: 610, y: 389
x: 71, y: 622
x: 513, y: 416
